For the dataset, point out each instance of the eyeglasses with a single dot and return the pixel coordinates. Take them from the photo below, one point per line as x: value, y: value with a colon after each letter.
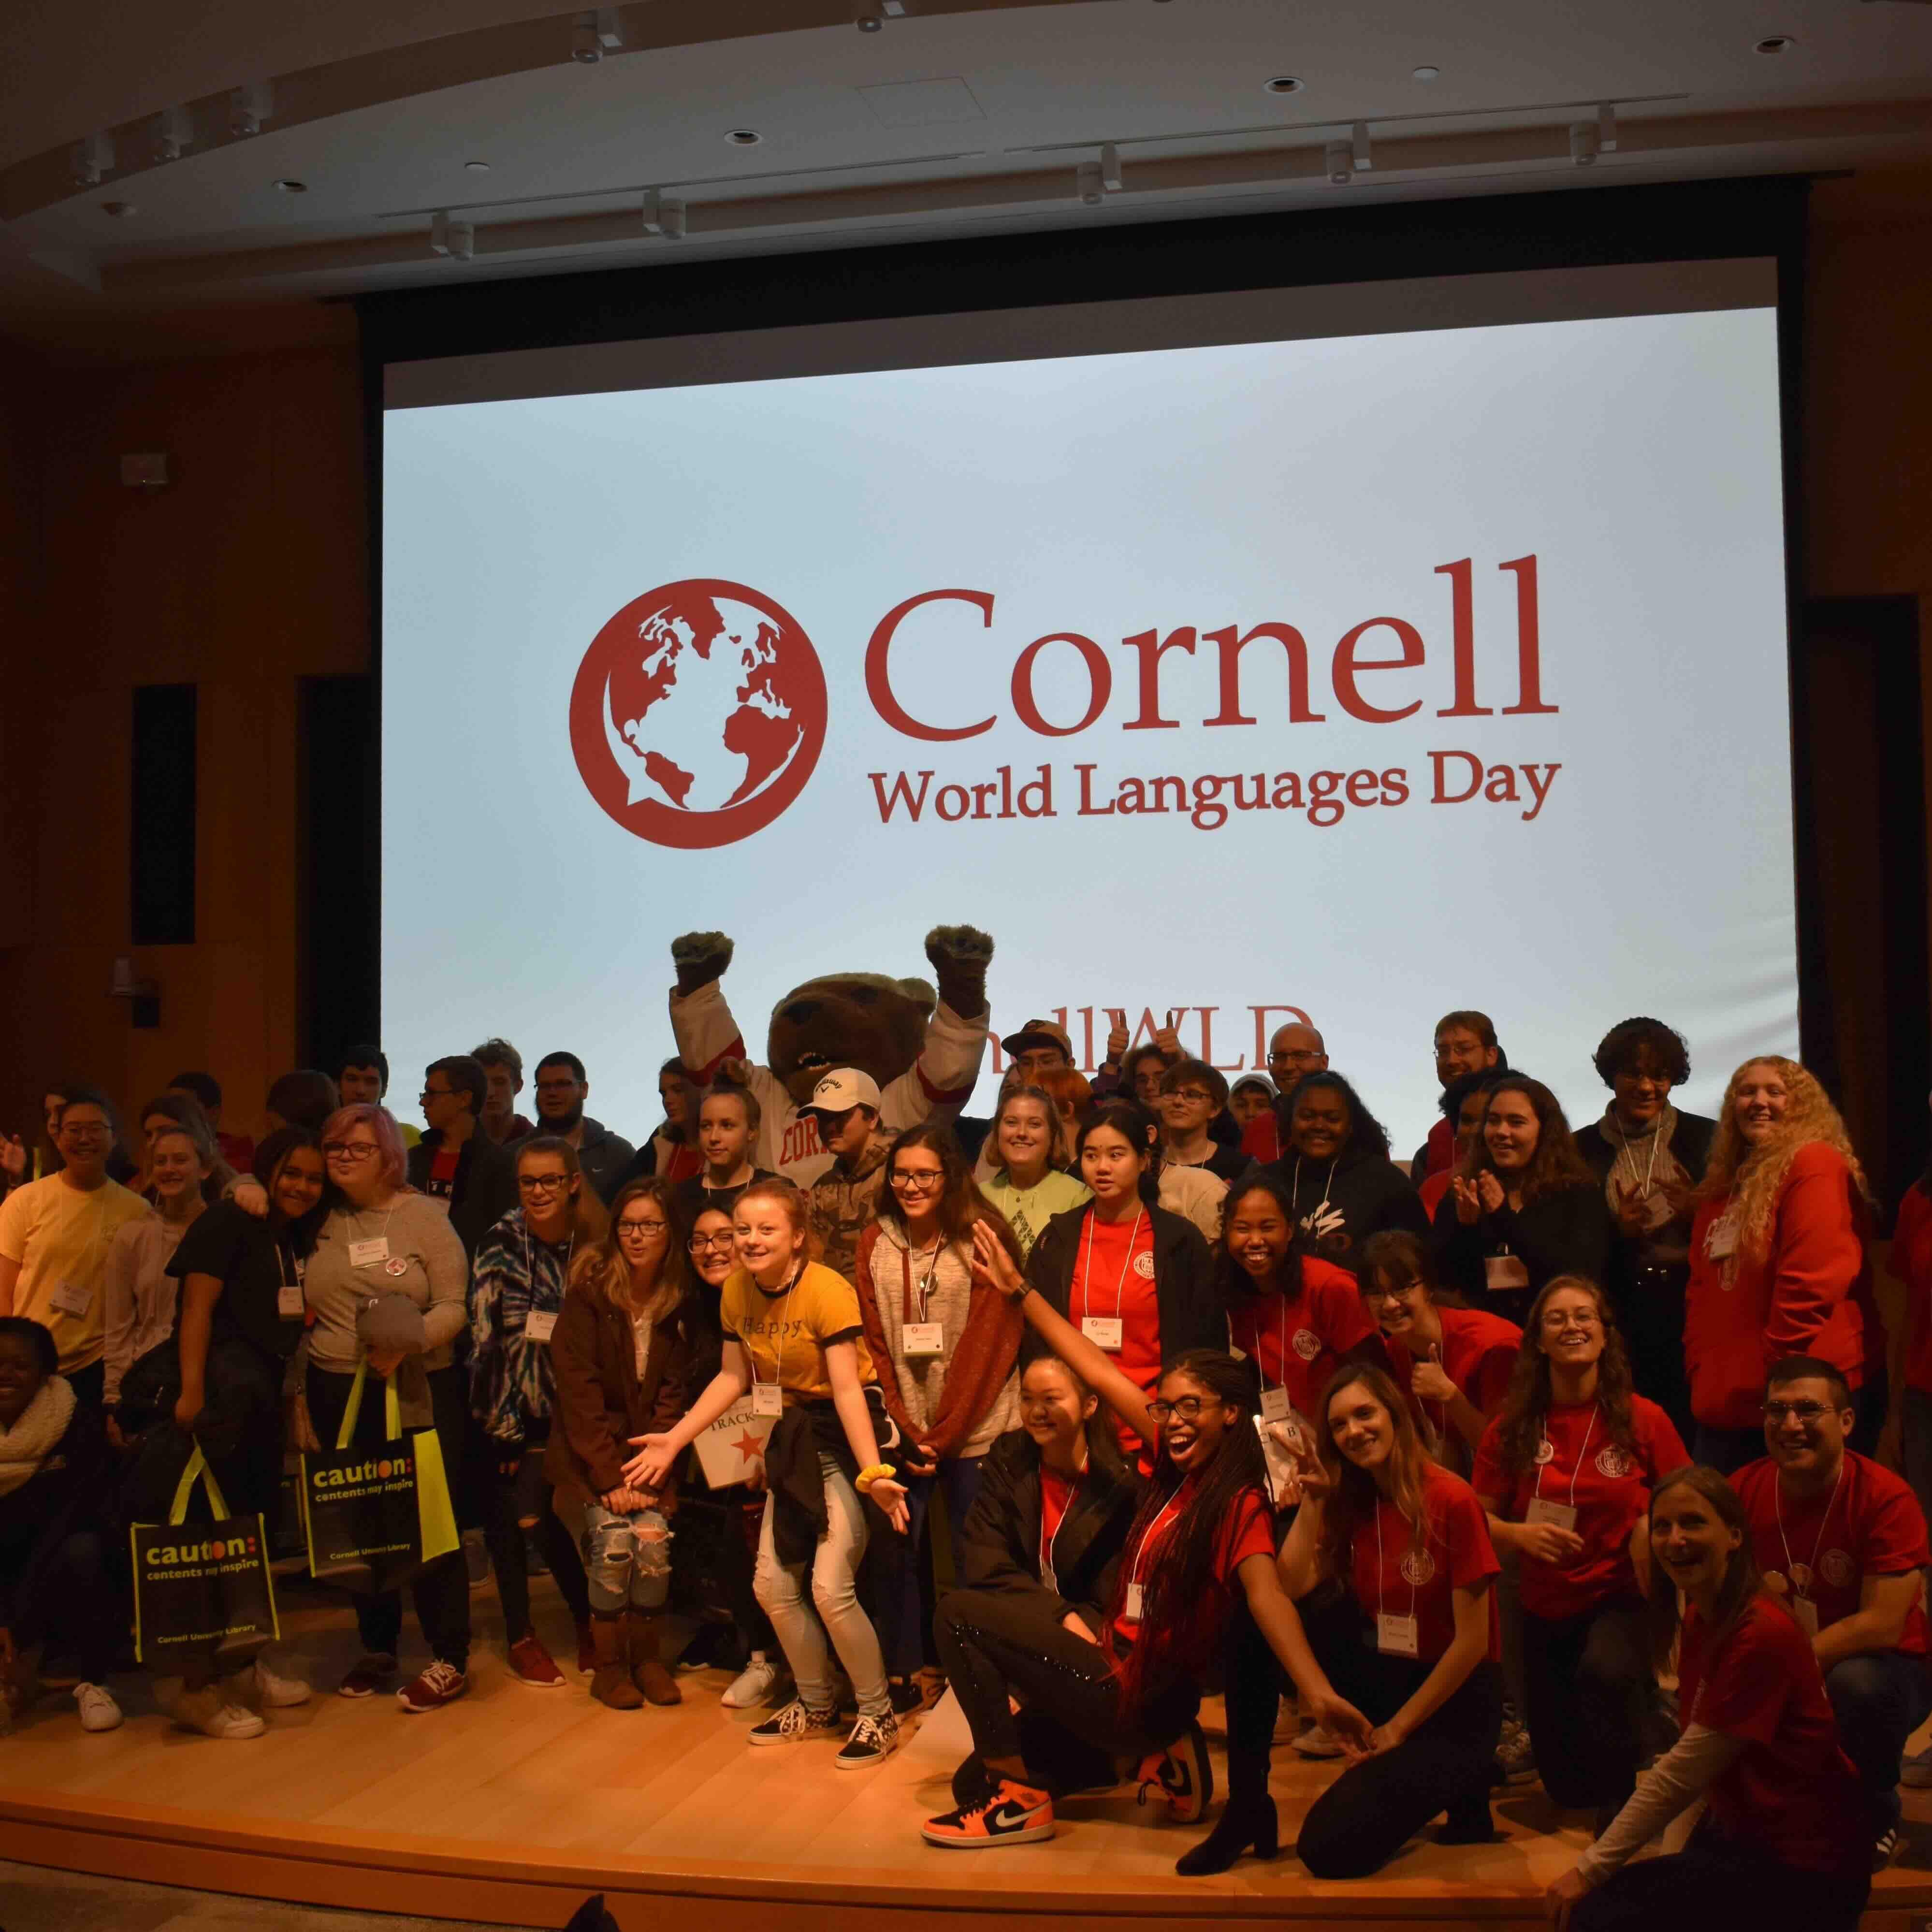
x: 1797, y: 1411
x: 82, y: 1130
x: 349, y: 1150
x: 924, y: 1183
x: 543, y: 1184
x: 1397, y: 1295
x: 1187, y: 1409
x: 643, y: 1228
x: 1196, y: 1095
x: 700, y: 1244
x: 437, y: 1093
x: 1554, y: 1324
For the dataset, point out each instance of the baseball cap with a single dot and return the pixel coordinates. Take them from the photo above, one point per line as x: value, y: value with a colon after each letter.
x: 1039, y: 1032
x: 844, y: 1087
x: 390, y: 1321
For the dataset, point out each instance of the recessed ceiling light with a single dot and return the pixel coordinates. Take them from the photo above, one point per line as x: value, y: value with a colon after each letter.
x: 119, y: 209
x: 1283, y: 83
x: 476, y: 167
x: 288, y: 185
x: 1426, y: 73
x: 744, y: 137
x: 1777, y: 43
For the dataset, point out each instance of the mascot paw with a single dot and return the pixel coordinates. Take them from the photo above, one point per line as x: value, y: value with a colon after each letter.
x: 699, y: 958
x: 959, y: 955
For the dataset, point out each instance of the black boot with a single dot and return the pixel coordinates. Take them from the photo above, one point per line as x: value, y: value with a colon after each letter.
x: 1247, y: 1822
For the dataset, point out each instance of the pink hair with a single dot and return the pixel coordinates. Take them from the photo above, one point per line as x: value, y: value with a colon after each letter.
x: 388, y: 1137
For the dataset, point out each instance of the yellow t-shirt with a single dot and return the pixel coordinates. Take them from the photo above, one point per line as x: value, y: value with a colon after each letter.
x: 60, y: 1236
x: 786, y: 1334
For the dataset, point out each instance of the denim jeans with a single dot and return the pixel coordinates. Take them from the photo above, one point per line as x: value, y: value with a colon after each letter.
x: 627, y: 1558
x: 1880, y: 1698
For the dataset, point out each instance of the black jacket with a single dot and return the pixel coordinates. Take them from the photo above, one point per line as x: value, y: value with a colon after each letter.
x: 73, y: 1489
x: 1366, y: 1194
x: 485, y: 1187
x: 998, y: 1547
x: 1567, y: 1232
x: 1191, y: 1314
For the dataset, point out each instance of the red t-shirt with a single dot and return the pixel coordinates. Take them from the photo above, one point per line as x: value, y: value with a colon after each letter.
x: 1109, y: 1282
x: 1433, y: 1187
x: 1261, y: 1138
x: 1247, y: 1530
x: 1300, y: 1344
x: 1479, y: 1352
x: 1389, y: 1576
x: 1792, y: 1793
x: 1872, y: 1526
x: 1056, y: 1497
x: 1609, y: 1487
x: 1912, y: 1263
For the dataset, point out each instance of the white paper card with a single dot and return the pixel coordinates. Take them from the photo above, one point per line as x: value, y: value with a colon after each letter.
x: 540, y: 1324
x: 1561, y: 1514
x: 1501, y: 1272
x: 1103, y: 1331
x: 1134, y: 1598
x: 370, y: 1253
x: 1396, y: 1637
x: 1720, y: 1238
x: 767, y: 1400
x: 923, y: 1338
x: 1275, y: 1405
x: 72, y: 1297
x: 289, y: 1303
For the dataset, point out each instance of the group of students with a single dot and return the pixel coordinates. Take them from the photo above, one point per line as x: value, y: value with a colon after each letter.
x: 1120, y: 1397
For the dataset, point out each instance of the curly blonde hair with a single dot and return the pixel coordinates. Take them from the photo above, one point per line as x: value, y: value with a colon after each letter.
x: 1753, y: 1175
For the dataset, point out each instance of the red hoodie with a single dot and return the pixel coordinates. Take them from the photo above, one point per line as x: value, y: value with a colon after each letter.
x: 1802, y: 1298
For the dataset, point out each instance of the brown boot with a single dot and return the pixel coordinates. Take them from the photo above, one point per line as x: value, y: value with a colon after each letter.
x: 610, y: 1673
x: 648, y: 1673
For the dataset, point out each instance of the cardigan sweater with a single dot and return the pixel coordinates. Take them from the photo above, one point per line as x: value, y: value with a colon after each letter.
x: 602, y: 1401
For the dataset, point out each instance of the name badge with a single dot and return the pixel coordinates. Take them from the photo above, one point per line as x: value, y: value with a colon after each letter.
x: 1103, y: 1331
x: 923, y: 1338
x: 288, y: 1303
x: 1501, y: 1272
x: 540, y: 1324
x: 369, y: 1254
x: 1048, y: 1579
x: 1396, y: 1637
x: 1280, y: 1464
x: 73, y: 1297
x: 767, y: 1399
x: 1274, y: 1405
x: 1806, y: 1612
x: 1563, y: 1515
x: 1720, y: 1238
x: 1133, y: 1606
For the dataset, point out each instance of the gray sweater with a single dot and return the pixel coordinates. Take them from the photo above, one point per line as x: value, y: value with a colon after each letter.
x: 434, y: 1275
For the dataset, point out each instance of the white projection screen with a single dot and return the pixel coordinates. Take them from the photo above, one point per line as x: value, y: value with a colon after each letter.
x: 1356, y: 653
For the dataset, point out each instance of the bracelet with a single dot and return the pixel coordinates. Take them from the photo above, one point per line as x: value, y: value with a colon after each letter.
x: 870, y: 1474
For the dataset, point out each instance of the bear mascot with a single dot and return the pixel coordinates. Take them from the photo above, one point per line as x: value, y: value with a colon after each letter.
x: 923, y: 1048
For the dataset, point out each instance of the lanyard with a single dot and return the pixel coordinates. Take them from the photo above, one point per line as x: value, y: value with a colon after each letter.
x: 1313, y: 1220
x: 1581, y: 1453
x: 529, y: 1266
x: 1086, y: 1267
x: 355, y: 1223
x: 1378, y: 1565
x: 1170, y: 1508
x: 925, y: 1286
x: 778, y: 1336
x: 1048, y: 1545
x: 1791, y: 1569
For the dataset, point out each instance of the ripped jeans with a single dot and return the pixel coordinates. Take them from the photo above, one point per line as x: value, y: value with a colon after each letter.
x: 627, y: 1558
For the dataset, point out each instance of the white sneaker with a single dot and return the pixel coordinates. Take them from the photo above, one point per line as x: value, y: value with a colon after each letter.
x: 214, y: 1715
x: 98, y: 1710
x: 276, y: 1691
x: 757, y: 1684
x: 1316, y: 1742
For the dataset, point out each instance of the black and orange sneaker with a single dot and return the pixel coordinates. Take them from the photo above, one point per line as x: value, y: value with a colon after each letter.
x: 1183, y: 1775
x: 1011, y: 1814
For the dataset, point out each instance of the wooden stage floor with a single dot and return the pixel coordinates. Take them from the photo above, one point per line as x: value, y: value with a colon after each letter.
x: 513, y: 1804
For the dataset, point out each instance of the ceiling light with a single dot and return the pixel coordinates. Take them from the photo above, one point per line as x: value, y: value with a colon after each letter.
x: 1283, y: 83
x: 174, y: 131
x: 1110, y: 177
x: 869, y: 23
x: 744, y: 137
x: 456, y: 239
x: 1426, y: 73
x: 1086, y: 184
x: 1583, y: 143
x: 1777, y: 43
x: 288, y: 185
x: 120, y: 210
x: 660, y: 217
x: 249, y: 106
x: 1337, y: 160
x: 90, y: 159
x: 476, y: 167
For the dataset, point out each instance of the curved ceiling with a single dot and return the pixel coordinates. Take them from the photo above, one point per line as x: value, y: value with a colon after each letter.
x: 433, y: 139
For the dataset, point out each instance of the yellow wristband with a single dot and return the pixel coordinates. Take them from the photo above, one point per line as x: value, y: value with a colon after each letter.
x: 868, y: 1476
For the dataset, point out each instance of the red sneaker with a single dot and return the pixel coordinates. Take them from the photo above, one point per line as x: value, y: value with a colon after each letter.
x: 375, y: 1671
x: 531, y: 1664
x: 439, y: 1684
x: 1011, y: 1814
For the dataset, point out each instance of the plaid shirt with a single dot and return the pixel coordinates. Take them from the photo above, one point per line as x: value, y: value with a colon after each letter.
x: 510, y: 1383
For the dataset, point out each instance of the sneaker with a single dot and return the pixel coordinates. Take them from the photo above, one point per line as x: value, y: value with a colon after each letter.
x: 872, y: 1741
x: 371, y: 1674
x: 1882, y: 1848
x: 531, y: 1664
x: 794, y: 1724
x: 1010, y: 1814
x: 1515, y: 1756
x: 1917, y: 1771
x: 1315, y: 1742
x: 99, y: 1711
x: 757, y: 1684
x: 214, y: 1715
x: 277, y: 1691
x: 1183, y: 1775
x: 903, y: 1694
x: 440, y: 1684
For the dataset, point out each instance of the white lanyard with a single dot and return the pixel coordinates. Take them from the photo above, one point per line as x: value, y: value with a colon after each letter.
x: 1049, y: 1570
x: 1656, y: 1135
x: 1378, y: 1570
x: 924, y: 1290
x: 778, y: 1345
x: 1087, y: 1269
x: 1800, y: 1585
x: 382, y: 1233
x: 1134, y: 1599
x: 1581, y: 1452
x: 1310, y: 1220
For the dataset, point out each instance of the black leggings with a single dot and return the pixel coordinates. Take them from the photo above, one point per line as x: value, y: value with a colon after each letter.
x: 993, y: 1644
x: 1713, y: 1881
x: 441, y: 1589
x: 58, y: 1587
x: 1593, y: 1713
x: 1375, y: 1807
x: 502, y: 1495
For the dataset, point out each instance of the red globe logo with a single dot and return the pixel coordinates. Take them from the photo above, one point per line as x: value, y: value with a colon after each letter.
x: 697, y: 713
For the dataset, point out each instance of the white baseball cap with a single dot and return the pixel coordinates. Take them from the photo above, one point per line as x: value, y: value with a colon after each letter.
x: 844, y: 1087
